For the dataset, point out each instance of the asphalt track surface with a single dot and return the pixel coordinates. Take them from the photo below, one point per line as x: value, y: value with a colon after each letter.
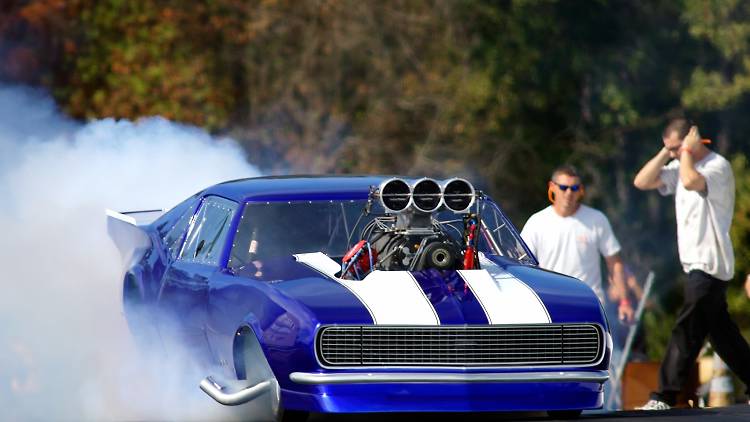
x: 739, y: 412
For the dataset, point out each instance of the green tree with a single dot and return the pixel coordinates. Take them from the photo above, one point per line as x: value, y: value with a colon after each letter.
x: 152, y: 58
x: 740, y: 232
x: 723, y: 76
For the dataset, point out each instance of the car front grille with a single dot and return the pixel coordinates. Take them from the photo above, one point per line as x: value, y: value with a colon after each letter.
x: 487, y: 345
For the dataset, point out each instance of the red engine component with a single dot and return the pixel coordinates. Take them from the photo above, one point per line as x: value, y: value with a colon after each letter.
x: 359, y: 260
x: 471, y: 250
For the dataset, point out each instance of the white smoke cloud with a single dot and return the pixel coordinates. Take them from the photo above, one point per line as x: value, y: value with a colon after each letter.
x: 65, y: 351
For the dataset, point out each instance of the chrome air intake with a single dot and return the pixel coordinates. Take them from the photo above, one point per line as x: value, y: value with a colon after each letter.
x: 458, y: 195
x: 395, y: 195
x: 427, y: 196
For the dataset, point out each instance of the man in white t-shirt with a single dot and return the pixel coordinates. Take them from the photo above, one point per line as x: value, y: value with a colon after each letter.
x: 569, y: 237
x: 703, y: 185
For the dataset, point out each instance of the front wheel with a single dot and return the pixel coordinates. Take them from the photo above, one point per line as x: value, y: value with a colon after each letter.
x: 564, y: 414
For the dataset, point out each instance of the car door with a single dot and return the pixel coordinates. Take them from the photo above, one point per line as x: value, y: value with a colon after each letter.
x: 184, y: 292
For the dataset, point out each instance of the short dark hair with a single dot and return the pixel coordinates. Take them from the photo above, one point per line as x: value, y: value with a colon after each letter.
x: 681, y: 126
x: 567, y: 170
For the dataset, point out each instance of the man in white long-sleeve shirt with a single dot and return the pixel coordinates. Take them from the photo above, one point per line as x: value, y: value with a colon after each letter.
x: 703, y: 185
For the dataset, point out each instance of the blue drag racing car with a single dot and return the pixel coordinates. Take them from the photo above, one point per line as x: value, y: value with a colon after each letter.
x: 361, y: 294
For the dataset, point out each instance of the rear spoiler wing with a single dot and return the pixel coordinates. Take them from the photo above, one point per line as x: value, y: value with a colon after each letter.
x: 126, y: 229
x: 138, y: 218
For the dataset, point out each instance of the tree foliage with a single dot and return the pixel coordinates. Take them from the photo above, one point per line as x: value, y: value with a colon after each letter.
x: 740, y: 234
x: 724, y: 75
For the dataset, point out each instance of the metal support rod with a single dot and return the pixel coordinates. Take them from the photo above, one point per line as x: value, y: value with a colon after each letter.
x: 620, y: 366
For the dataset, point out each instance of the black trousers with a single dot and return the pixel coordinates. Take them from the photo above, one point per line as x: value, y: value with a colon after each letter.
x: 703, y: 314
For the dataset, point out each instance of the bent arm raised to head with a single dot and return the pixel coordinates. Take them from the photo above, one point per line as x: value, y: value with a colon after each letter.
x: 691, y: 179
x: 648, y: 177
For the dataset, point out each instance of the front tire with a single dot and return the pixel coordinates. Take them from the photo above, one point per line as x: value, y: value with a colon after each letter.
x: 564, y: 414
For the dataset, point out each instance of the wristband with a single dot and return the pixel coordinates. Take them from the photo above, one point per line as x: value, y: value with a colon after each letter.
x: 686, y: 149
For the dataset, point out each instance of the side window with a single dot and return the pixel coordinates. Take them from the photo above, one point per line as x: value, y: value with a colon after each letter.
x: 502, y: 236
x: 176, y: 222
x: 208, y: 231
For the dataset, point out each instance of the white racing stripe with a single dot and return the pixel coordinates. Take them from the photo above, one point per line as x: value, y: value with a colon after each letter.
x: 319, y: 262
x: 392, y: 297
x: 505, y: 298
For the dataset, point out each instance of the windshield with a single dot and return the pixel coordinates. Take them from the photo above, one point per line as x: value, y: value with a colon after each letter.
x: 274, y: 229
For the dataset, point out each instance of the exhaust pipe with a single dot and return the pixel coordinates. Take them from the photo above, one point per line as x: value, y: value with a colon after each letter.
x: 240, y: 396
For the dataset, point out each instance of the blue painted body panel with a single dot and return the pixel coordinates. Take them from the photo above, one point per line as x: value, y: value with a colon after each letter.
x: 452, y: 299
x: 291, y: 188
x: 287, y: 302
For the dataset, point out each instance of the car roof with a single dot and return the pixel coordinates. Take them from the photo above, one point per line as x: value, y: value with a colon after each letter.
x: 297, y: 187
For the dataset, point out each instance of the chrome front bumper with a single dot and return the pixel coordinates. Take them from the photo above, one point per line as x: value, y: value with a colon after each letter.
x: 314, y: 378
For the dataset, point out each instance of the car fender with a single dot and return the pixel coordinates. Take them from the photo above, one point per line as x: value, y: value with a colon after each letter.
x: 246, y: 332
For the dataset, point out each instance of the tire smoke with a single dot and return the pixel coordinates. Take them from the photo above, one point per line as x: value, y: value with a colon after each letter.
x: 65, y: 350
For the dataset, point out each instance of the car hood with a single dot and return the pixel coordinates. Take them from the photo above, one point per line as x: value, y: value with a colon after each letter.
x: 502, y: 292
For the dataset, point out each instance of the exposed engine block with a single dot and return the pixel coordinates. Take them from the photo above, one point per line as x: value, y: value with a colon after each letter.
x: 408, y: 237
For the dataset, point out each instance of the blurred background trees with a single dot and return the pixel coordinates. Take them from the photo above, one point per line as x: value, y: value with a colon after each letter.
x: 500, y: 92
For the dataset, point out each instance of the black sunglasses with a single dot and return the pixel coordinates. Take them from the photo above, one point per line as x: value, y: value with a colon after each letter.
x: 574, y: 188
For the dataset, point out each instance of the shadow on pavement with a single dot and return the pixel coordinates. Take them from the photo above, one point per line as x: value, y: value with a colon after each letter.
x: 736, y: 413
